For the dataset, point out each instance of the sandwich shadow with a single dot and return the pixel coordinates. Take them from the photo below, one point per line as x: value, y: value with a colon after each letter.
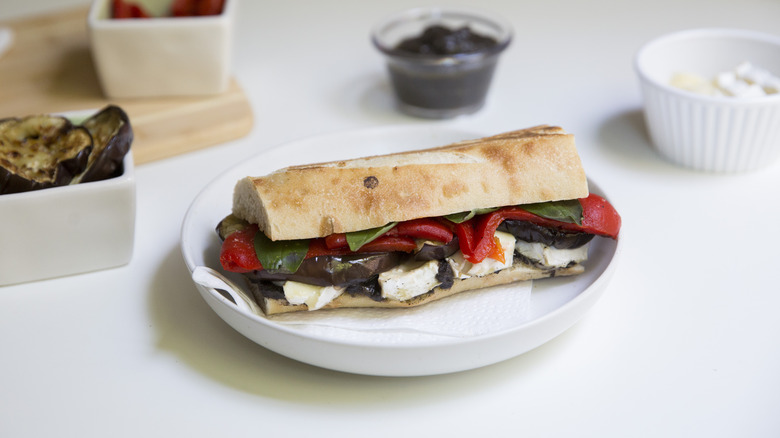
x: 188, y: 329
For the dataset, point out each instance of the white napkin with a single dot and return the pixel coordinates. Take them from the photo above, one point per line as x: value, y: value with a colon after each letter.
x: 468, y: 314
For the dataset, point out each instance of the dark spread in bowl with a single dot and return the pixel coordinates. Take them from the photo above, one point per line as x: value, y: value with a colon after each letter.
x: 443, y: 71
x: 441, y: 40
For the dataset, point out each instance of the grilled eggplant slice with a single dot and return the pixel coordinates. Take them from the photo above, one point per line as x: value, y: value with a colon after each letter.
x: 112, y: 136
x: 229, y: 225
x: 41, y: 151
x: 432, y: 251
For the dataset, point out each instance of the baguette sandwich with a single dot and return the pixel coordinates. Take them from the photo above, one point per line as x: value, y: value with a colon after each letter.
x: 409, y: 228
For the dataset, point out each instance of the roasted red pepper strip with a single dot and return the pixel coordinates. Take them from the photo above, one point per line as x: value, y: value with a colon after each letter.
x: 318, y: 247
x: 179, y: 8
x: 336, y: 241
x: 120, y: 9
x: 139, y: 12
x: 424, y: 228
x: 210, y: 7
x: 337, y: 244
x: 385, y: 243
x: 484, y: 231
x: 598, y: 217
x: 183, y: 8
x: 123, y: 9
x: 465, y: 233
x: 238, y: 251
x: 468, y: 239
x: 191, y: 8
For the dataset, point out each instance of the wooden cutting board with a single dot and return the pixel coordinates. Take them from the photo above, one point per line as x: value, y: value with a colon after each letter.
x: 49, y: 69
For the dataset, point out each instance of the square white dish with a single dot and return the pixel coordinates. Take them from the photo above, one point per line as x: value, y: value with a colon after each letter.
x: 68, y: 230
x: 161, y: 56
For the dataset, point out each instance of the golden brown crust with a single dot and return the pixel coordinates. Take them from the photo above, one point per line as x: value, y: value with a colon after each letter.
x: 517, y: 272
x: 530, y: 165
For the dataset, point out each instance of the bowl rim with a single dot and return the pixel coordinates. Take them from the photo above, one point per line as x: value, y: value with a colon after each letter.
x: 707, y: 32
x: 433, y: 11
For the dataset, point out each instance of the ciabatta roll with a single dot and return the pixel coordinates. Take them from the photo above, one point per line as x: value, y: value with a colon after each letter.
x: 520, y: 167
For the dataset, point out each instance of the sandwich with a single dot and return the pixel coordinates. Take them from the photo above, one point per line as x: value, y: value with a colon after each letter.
x: 408, y: 228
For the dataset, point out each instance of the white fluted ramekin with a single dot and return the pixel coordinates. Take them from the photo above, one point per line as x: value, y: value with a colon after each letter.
x: 712, y: 133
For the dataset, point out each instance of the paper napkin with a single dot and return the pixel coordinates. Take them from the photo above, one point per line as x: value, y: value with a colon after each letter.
x: 468, y: 314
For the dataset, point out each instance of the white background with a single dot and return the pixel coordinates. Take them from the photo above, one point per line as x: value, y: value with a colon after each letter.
x: 684, y: 342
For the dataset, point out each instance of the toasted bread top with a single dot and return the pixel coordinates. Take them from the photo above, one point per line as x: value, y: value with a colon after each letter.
x: 525, y: 166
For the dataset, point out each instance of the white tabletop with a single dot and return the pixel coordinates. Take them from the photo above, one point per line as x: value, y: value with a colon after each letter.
x: 683, y: 343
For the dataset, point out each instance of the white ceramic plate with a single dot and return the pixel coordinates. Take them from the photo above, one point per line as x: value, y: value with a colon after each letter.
x: 556, y: 304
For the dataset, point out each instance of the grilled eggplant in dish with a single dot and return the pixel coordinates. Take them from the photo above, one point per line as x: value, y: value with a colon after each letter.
x: 42, y: 151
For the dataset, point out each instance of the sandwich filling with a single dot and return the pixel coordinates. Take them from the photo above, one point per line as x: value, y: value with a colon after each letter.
x: 414, y: 278
x: 404, y: 261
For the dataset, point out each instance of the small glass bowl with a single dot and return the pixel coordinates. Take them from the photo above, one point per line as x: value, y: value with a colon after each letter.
x: 440, y: 86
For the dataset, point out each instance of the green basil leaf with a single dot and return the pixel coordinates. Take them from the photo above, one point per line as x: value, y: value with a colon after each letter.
x: 569, y: 211
x: 281, y: 255
x: 356, y: 239
x: 463, y: 216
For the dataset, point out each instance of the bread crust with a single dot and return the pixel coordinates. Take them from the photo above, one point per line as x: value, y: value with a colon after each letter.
x: 524, y: 166
x: 517, y: 272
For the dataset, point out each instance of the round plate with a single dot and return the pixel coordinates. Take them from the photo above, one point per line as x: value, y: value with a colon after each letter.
x: 556, y: 303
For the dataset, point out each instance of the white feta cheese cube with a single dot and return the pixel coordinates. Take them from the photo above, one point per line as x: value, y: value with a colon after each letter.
x: 550, y: 256
x: 726, y: 80
x: 464, y: 269
x: 409, y: 280
x: 746, y: 80
x: 772, y: 85
x: 315, y: 297
x: 693, y: 83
